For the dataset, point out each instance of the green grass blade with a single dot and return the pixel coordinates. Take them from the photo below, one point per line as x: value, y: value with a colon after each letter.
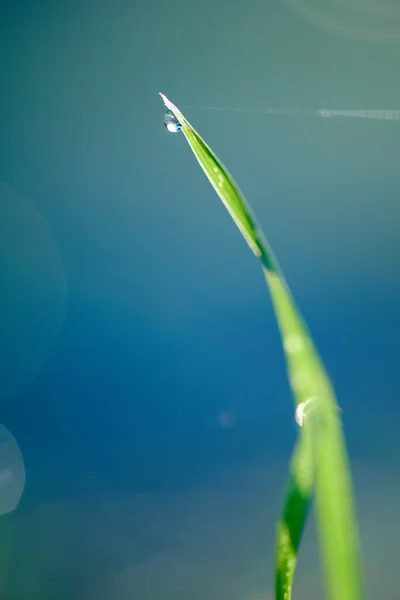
x: 315, y: 400
x: 296, y: 507
x: 228, y: 191
x: 321, y: 450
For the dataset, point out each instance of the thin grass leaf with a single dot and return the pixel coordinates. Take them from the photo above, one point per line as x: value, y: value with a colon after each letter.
x: 319, y: 459
x: 299, y: 491
x: 228, y: 191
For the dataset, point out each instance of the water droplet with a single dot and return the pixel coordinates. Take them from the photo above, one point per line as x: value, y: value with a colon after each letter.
x: 171, y: 122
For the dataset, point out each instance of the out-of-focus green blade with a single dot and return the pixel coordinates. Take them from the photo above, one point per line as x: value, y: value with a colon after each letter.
x: 319, y: 462
x: 325, y: 457
x: 299, y: 491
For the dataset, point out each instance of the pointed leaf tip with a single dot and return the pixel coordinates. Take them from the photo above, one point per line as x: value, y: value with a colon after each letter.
x: 164, y: 98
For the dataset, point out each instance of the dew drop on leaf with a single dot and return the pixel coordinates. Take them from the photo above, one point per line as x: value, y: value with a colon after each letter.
x: 171, y: 122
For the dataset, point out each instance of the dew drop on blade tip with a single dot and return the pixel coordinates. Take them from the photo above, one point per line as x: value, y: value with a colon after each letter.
x: 171, y: 122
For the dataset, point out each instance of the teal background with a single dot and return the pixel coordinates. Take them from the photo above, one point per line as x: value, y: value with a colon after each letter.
x: 141, y: 368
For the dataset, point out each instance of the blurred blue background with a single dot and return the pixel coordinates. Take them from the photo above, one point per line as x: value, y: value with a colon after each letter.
x: 141, y: 369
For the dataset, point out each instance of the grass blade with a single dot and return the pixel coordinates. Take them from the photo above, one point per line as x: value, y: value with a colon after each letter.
x: 228, y: 191
x: 319, y: 458
x: 294, y: 516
